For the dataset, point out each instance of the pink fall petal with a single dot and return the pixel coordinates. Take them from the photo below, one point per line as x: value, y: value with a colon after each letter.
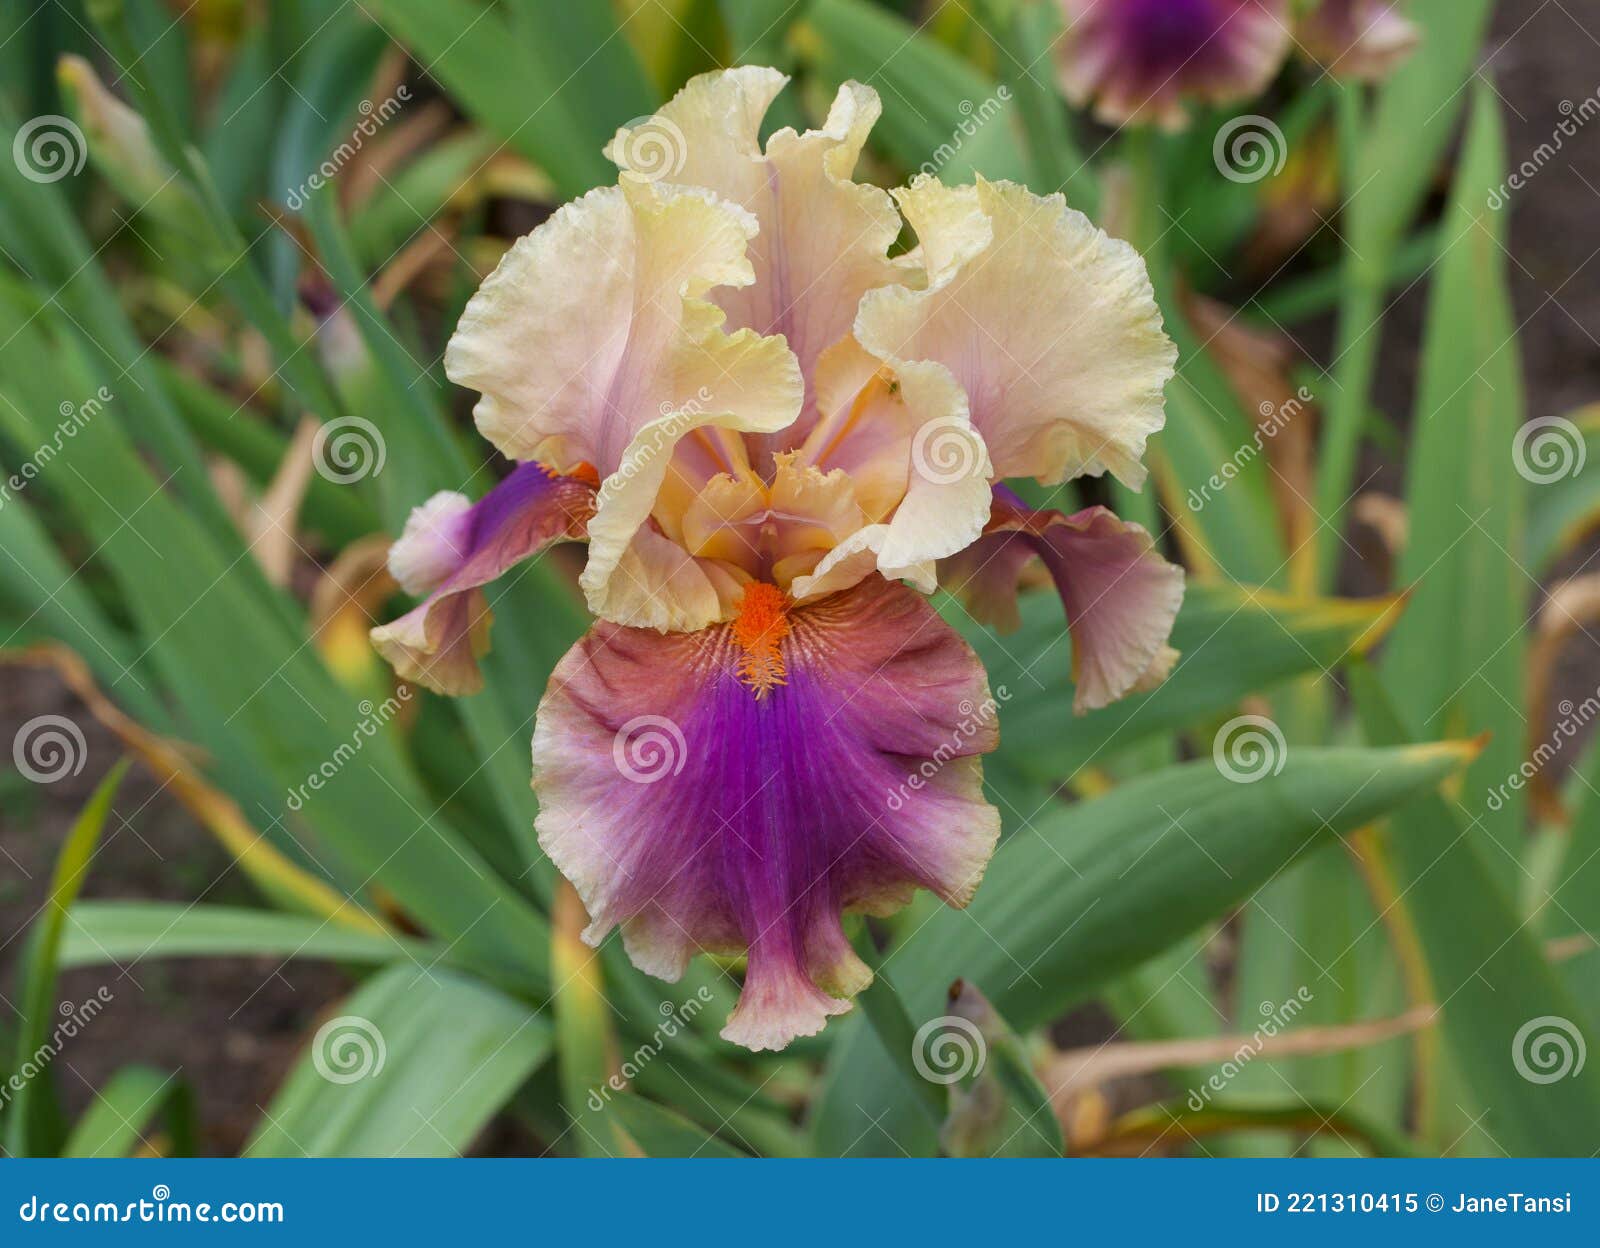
x: 1121, y: 597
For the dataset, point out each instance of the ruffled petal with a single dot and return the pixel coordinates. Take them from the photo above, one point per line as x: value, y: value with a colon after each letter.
x: 741, y: 382
x: 1050, y: 327
x: 1139, y: 60
x: 590, y: 343
x: 824, y: 240
x: 1121, y: 597
x: 452, y: 547
x: 905, y: 438
x: 700, y: 815
x: 1363, y: 40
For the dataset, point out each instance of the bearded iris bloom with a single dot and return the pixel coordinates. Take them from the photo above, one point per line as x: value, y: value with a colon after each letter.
x: 777, y: 437
x: 1358, y: 39
x: 1143, y: 60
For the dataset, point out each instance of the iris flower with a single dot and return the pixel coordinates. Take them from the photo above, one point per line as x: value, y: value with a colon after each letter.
x: 1141, y: 60
x: 1359, y: 39
x: 776, y: 436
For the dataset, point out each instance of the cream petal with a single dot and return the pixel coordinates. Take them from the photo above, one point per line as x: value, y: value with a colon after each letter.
x: 739, y: 381
x: 659, y: 584
x: 1052, y: 330
x: 855, y: 559
x: 578, y: 339
x: 905, y: 437
x: 823, y: 240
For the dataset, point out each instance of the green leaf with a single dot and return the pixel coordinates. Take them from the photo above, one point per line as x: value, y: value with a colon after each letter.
x: 114, y: 1124
x: 121, y: 932
x: 41, y: 963
x: 659, y: 1132
x: 1233, y: 641
x: 1456, y: 661
x: 940, y: 113
x: 415, y: 1065
x: 1389, y: 160
x: 504, y: 82
x: 1091, y: 890
x: 1499, y: 998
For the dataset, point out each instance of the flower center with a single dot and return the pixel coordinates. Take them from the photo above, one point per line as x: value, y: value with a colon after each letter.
x: 759, y: 628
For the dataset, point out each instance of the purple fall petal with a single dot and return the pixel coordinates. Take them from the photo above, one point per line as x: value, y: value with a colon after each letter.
x: 451, y: 548
x: 701, y: 816
x: 1138, y: 60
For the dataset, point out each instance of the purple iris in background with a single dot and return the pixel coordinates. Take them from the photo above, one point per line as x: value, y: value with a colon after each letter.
x: 1142, y: 60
